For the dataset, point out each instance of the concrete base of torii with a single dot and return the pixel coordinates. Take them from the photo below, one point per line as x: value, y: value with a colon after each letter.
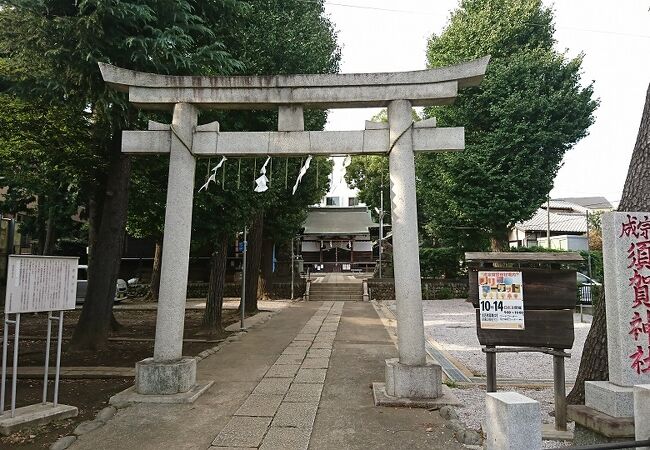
x: 413, y: 386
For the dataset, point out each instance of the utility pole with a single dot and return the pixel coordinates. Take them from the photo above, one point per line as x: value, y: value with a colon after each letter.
x: 243, y: 281
x: 293, y: 267
x: 381, y: 225
x: 548, y: 221
x: 588, y: 249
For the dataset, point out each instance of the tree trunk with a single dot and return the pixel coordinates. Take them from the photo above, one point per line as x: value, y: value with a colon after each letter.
x: 92, y: 330
x: 253, y: 257
x: 41, y: 225
x: 636, y: 197
x: 266, y: 279
x: 636, y: 192
x: 94, y: 219
x: 499, y: 239
x: 214, y: 303
x: 154, y: 284
x: 50, y: 238
x: 593, y: 365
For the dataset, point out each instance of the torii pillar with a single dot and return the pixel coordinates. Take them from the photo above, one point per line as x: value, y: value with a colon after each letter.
x: 411, y: 379
x: 409, y: 376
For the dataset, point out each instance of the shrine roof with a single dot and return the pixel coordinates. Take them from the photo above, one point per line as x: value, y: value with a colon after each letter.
x: 332, y: 220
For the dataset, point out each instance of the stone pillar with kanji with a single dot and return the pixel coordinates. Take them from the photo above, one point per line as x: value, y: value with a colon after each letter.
x: 626, y: 259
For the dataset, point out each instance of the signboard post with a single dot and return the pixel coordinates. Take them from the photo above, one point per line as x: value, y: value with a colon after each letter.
x: 36, y: 284
x: 524, y: 303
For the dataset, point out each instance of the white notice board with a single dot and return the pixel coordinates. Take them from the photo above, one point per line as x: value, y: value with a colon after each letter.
x: 41, y: 283
x: 501, y: 300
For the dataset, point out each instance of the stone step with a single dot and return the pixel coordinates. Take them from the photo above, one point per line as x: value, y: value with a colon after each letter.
x: 334, y: 291
x: 353, y: 298
x: 326, y: 287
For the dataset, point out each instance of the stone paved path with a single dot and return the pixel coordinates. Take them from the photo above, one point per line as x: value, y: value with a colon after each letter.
x: 281, y: 410
x: 273, y: 379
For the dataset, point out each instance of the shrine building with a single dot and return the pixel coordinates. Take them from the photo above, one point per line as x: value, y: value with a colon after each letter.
x: 337, y: 239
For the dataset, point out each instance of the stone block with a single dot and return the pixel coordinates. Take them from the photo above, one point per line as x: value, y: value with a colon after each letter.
x: 165, y: 378
x: 549, y: 433
x: 513, y: 422
x: 63, y: 443
x: 282, y: 371
x: 289, y: 359
x: 130, y: 396
x: 304, y: 337
x: 315, y: 363
x: 304, y: 392
x: 619, y: 235
x: 413, y: 381
x: 323, y: 344
x: 243, y: 432
x: 296, y: 415
x: 609, y: 398
x: 33, y: 415
x: 260, y: 405
x: 286, y: 439
x: 602, y: 424
x: 382, y: 399
x: 106, y: 414
x: 87, y: 427
x: 642, y: 413
x: 319, y: 353
x: 296, y: 351
x: 273, y: 386
x: 311, y: 376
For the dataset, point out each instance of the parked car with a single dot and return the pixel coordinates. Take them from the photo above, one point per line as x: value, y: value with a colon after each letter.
x: 82, y: 286
x: 584, y: 280
x: 585, y: 285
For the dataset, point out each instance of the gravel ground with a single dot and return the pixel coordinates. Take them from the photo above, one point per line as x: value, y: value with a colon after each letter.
x: 472, y: 413
x: 452, y: 324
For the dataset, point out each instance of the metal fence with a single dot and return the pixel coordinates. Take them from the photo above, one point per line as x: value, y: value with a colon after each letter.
x: 585, y: 295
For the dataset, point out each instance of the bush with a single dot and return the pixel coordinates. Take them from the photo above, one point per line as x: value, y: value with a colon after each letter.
x: 440, y: 262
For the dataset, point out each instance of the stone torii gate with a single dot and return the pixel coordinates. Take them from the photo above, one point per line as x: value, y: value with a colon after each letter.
x: 168, y: 372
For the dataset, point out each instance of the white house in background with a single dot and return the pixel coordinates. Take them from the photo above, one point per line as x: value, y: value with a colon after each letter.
x: 340, y: 193
x: 567, y: 220
x: 336, y: 235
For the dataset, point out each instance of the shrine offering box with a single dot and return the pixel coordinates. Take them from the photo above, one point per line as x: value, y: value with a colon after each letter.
x: 523, y: 299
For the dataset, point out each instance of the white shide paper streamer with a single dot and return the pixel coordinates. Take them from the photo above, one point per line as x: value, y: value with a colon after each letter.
x: 302, y: 173
x: 213, y: 177
x: 263, y: 180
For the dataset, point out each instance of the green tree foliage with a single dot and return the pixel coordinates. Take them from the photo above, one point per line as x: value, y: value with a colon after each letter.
x: 50, y: 51
x: 47, y: 156
x: 268, y: 40
x: 528, y: 111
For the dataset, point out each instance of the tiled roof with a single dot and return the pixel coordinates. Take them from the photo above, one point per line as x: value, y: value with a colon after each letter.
x: 560, y: 222
x: 590, y: 202
x: 332, y: 220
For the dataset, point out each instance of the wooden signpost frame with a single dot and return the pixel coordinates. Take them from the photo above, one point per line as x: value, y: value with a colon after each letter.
x: 549, y: 292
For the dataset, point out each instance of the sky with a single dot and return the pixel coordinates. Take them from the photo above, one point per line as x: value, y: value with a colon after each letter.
x: 386, y: 36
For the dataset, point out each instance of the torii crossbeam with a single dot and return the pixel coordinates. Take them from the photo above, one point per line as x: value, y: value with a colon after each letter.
x: 168, y: 372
